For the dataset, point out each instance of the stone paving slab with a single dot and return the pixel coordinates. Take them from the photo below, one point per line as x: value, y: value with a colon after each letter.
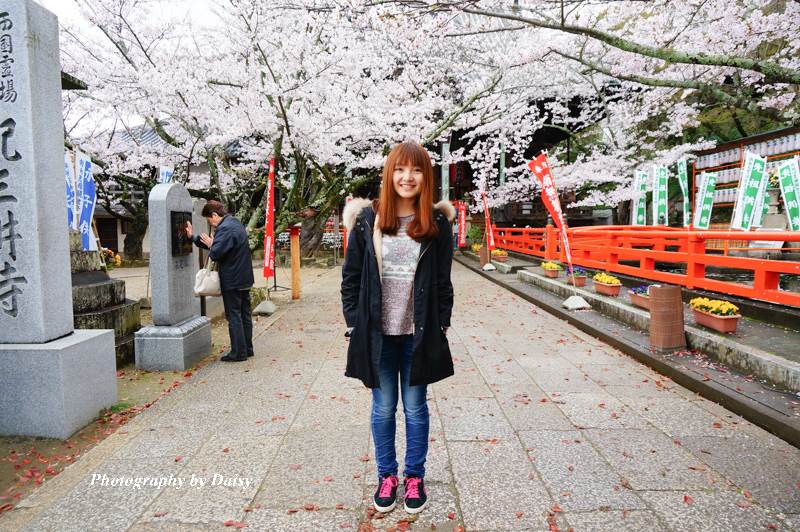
x: 576, y: 474
x: 714, y: 511
x: 772, y: 471
x: 470, y: 418
x: 310, y: 470
x: 616, y: 521
x: 503, y: 438
x: 651, y: 460
x: 498, y: 487
x: 597, y: 410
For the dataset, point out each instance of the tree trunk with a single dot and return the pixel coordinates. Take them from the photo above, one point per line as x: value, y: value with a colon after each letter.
x: 311, y: 233
x: 622, y: 213
x: 135, y: 237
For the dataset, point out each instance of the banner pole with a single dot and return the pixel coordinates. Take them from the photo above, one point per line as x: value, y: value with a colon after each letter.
x: 540, y: 166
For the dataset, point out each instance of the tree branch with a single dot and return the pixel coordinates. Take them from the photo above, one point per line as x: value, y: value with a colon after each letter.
x: 772, y: 72
x: 718, y: 93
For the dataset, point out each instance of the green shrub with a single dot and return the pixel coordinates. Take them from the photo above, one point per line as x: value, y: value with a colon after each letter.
x: 475, y: 234
x: 257, y: 295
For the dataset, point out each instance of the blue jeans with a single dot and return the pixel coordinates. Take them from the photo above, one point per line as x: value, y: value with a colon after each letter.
x: 396, y: 360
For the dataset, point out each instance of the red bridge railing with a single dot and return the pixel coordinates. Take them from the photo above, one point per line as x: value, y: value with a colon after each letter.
x: 616, y: 248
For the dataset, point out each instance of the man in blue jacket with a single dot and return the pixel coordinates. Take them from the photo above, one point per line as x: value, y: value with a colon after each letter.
x: 230, y: 249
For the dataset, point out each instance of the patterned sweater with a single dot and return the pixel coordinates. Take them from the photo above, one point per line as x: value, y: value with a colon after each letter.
x: 400, y: 253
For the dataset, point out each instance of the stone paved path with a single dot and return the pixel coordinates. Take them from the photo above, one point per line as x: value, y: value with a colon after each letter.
x: 541, y: 427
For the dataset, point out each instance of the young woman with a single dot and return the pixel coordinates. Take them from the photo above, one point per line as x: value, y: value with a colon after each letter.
x: 397, y: 298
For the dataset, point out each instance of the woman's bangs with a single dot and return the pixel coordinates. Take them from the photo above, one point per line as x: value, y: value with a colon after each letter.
x: 409, y: 154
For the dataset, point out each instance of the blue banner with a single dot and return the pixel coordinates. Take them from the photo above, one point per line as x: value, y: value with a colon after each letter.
x: 88, y: 194
x: 165, y: 174
x: 69, y: 175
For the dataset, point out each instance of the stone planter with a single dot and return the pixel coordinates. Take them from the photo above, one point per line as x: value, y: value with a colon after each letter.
x: 580, y: 280
x: 640, y: 300
x: 607, y: 289
x: 553, y: 274
x: 723, y: 324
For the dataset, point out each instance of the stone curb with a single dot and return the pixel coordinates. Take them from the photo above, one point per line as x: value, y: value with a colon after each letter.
x: 751, y: 360
x: 781, y: 426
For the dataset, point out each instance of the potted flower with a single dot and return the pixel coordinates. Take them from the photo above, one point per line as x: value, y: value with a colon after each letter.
x: 716, y: 314
x: 640, y: 296
x: 606, y: 284
x: 499, y: 255
x: 551, y: 269
x: 579, y: 276
x: 476, y: 248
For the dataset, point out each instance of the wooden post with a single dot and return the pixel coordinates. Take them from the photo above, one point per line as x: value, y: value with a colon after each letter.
x: 294, y: 234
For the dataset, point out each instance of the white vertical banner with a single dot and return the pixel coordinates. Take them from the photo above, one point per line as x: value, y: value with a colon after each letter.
x: 445, y: 171
x: 639, y: 210
x: 789, y: 180
x: 502, y: 173
x: 760, y: 205
x: 683, y: 181
x: 753, y: 173
x: 660, y: 184
x: 704, y: 203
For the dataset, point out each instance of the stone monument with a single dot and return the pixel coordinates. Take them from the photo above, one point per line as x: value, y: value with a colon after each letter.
x: 54, y: 379
x: 179, y: 337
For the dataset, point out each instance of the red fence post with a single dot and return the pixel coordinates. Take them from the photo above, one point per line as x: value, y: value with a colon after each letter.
x: 695, y: 270
x: 551, y: 242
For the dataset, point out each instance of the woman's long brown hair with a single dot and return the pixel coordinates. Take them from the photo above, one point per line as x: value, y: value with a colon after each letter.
x: 422, y: 227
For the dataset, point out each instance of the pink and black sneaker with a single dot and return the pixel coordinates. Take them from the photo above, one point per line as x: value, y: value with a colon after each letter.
x: 386, y: 494
x: 416, y: 496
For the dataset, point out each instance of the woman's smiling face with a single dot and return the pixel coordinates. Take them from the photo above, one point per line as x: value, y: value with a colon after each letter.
x: 407, y: 180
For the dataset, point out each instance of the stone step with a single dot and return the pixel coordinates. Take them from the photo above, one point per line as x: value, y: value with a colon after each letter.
x: 124, y: 319
x: 95, y: 296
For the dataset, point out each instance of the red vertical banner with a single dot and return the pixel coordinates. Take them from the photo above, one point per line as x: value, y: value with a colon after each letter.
x: 489, y: 231
x: 462, y: 224
x: 540, y: 167
x: 269, y: 224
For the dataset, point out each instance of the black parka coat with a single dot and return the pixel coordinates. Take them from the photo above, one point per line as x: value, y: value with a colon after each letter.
x: 433, y: 301
x: 231, y: 252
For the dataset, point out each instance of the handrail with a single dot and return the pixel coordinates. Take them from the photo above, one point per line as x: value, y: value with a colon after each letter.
x: 614, y: 248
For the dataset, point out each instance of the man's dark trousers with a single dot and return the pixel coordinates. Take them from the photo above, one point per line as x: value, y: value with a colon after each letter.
x: 240, y: 321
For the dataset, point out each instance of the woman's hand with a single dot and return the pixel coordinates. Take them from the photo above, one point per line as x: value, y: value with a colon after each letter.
x: 207, y: 240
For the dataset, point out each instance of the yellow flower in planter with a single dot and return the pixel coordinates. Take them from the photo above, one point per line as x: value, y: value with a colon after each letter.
x: 551, y: 266
x: 499, y: 253
x: 476, y: 248
x: 606, y: 278
x: 714, y: 306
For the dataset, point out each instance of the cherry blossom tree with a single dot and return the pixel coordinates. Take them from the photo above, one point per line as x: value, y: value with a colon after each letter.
x: 327, y: 87
x: 682, y: 73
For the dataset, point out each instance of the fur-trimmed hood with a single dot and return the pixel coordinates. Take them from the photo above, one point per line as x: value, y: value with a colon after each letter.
x: 356, y: 205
